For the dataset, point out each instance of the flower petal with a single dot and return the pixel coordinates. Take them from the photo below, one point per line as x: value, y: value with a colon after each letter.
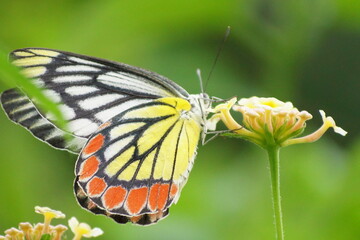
x: 340, y: 131
x: 212, y: 122
x: 48, y: 212
x: 330, y: 122
x: 73, y: 223
x: 94, y: 233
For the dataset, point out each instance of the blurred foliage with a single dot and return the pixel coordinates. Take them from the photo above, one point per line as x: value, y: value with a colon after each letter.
x: 304, y: 51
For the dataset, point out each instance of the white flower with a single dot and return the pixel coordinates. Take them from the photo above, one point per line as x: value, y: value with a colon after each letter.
x: 83, y: 229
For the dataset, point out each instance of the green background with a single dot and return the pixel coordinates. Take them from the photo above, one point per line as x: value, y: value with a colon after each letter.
x: 304, y: 51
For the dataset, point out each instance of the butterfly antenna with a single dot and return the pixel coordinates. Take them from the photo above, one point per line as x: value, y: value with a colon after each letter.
x: 198, y: 73
x: 227, y: 33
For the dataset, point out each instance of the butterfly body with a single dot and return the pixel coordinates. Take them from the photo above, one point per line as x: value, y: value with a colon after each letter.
x: 136, y: 131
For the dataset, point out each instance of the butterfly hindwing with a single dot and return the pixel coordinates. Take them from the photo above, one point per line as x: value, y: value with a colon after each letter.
x: 135, y: 165
x: 89, y: 91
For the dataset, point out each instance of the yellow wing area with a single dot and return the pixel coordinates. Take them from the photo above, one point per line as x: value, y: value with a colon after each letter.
x: 165, y: 148
x: 31, y: 59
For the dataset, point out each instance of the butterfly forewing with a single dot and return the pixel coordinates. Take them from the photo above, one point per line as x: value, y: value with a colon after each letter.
x: 89, y: 91
x: 134, y: 167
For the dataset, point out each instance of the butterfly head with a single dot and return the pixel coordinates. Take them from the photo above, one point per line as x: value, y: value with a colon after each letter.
x: 200, y: 103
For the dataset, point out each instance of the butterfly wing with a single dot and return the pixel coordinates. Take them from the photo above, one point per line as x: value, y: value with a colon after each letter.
x: 135, y: 165
x: 89, y: 91
x: 20, y: 109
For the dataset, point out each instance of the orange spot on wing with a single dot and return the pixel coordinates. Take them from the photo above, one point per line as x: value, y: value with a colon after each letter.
x: 136, y: 200
x: 96, y: 186
x: 114, y: 197
x: 94, y: 144
x: 163, y: 196
x: 89, y: 167
x: 153, y: 196
x: 173, y: 191
x: 158, y: 196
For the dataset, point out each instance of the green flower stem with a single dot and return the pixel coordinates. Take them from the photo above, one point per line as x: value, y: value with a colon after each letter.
x: 274, y: 165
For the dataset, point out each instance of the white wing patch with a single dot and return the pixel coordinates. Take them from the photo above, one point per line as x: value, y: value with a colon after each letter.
x: 77, y: 68
x: 99, y: 101
x: 116, y: 147
x: 71, y: 79
x: 67, y: 112
x: 82, y: 127
x: 38, y: 82
x: 124, y: 81
x: 83, y: 61
x: 81, y: 90
x: 54, y: 96
x: 106, y: 114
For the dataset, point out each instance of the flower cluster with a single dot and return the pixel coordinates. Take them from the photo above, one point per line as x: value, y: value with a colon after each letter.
x: 269, y: 121
x: 27, y: 231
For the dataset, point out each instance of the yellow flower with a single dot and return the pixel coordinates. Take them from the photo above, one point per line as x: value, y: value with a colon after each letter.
x: 83, y: 230
x: 49, y: 214
x: 14, y: 234
x: 38, y: 229
x: 26, y: 228
x: 269, y: 121
x: 59, y: 230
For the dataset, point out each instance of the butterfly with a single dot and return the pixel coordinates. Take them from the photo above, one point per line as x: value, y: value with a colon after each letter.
x: 136, y: 132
